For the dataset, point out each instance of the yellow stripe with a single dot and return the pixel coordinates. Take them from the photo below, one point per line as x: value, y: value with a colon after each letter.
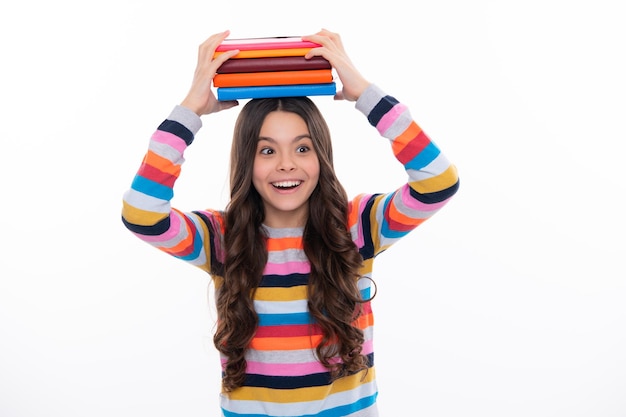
x: 367, y: 266
x: 281, y: 294
x: 374, y: 224
x: 141, y: 217
x: 440, y: 182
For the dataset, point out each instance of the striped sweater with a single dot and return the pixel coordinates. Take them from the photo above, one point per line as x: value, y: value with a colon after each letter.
x: 283, y: 376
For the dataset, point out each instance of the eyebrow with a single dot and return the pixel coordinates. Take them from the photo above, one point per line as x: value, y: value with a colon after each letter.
x: 296, y: 139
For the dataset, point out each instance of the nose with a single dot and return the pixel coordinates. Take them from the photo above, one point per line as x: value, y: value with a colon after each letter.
x: 286, y: 163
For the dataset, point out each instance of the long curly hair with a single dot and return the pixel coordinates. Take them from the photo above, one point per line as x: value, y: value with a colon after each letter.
x: 334, y: 300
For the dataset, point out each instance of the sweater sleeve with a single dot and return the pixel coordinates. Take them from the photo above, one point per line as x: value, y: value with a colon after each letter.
x: 379, y: 220
x: 147, y: 210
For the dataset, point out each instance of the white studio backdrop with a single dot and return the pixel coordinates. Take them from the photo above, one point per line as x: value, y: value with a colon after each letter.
x: 507, y: 303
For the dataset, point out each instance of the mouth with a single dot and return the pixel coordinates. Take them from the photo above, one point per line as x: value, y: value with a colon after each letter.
x: 286, y: 185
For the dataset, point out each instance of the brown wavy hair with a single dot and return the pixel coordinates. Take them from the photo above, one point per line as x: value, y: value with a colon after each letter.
x: 334, y: 300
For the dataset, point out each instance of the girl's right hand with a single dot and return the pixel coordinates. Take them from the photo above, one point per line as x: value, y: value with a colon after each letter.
x: 332, y: 49
x: 200, y: 97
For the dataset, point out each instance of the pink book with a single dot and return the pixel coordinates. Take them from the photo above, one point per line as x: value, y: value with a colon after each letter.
x: 252, y: 44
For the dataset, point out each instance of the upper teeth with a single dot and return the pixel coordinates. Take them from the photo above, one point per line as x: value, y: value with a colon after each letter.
x: 287, y: 184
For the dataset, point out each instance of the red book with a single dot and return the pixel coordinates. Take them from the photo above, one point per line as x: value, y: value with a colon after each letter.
x: 282, y: 63
x: 243, y: 79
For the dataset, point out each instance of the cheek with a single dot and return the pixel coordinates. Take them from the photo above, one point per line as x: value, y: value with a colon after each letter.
x: 313, y: 169
x: 258, y: 172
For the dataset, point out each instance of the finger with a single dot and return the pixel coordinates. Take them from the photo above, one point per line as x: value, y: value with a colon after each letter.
x: 208, y: 47
x: 228, y: 104
x: 221, y: 58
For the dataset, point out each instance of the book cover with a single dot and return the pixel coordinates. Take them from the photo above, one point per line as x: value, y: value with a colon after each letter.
x: 280, y: 63
x: 277, y: 42
x: 244, y: 79
x: 298, y: 90
x: 264, y: 53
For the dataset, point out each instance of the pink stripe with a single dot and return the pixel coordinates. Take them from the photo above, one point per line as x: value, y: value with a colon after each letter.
x: 390, y: 117
x: 414, y: 204
x: 287, y: 268
x: 284, y: 369
x: 360, y: 241
x: 170, y: 140
x: 175, y: 223
x: 368, y: 347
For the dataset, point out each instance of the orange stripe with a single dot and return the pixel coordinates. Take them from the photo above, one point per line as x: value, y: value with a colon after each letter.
x: 286, y: 343
x: 405, y: 138
x: 182, y: 245
x: 353, y: 214
x: 284, y: 243
x: 162, y: 164
x: 398, y: 217
x: 365, y: 321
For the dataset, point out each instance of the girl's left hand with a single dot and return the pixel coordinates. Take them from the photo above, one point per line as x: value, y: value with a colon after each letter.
x: 332, y: 49
x: 200, y: 97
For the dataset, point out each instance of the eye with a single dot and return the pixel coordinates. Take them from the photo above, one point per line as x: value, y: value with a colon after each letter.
x: 302, y: 149
x: 266, y: 151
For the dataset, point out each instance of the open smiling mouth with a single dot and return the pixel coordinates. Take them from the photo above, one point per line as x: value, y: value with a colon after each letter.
x: 286, y: 185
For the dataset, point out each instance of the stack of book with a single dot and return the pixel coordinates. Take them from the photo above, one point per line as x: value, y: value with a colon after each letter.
x: 272, y: 67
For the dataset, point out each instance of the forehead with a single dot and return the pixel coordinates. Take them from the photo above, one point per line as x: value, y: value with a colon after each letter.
x: 278, y: 124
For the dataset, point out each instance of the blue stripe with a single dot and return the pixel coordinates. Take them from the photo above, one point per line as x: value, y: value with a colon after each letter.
x: 380, y: 109
x: 154, y: 230
x: 340, y: 411
x: 177, y: 129
x: 425, y: 157
x: 151, y: 188
x: 284, y: 281
x: 348, y: 409
x: 287, y: 382
x: 217, y: 267
x: 365, y: 293
x: 385, y: 230
x: 436, y: 197
x: 284, y: 319
x: 367, y: 251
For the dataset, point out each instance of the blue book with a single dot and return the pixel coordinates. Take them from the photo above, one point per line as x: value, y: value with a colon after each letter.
x: 267, y: 91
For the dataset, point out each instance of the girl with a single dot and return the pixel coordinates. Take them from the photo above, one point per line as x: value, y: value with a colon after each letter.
x: 290, y: 255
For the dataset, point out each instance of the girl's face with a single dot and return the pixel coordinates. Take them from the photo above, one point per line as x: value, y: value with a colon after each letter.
x: 286, y: 169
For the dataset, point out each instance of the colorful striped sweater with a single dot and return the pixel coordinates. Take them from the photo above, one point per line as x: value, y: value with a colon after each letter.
x: 283, y: 377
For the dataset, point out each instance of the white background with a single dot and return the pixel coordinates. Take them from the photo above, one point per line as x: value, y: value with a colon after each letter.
x: 510, y: 302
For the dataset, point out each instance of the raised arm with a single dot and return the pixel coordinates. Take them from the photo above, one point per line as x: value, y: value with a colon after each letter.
x: 147, y: 209
x: 379, y: 220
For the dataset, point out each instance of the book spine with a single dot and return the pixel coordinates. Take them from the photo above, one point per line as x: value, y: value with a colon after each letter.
x: 284, y: 63
x: 264, y: 53
x: 273, y: 78
x: 244, y: 45
x: 300, y: 90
